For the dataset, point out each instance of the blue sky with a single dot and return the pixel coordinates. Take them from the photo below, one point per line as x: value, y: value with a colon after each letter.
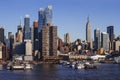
x: 69, y: 15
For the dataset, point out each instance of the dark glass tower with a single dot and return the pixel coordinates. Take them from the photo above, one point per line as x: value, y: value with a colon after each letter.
x: 27, y: 31
x: 110, y: 31
x: 97, y: 39
x: 1, y: 34
x: 35, y: 39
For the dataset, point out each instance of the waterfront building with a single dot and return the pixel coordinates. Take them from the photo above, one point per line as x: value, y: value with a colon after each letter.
x: 97, y: 39
x: 67, y: 38
x: 49, y: 40
x: 2, y: 34
x: 110, y: 31
x: 105, y: 41
x: 35, y: 37
x: 88, y: 33
x: 27, y: 30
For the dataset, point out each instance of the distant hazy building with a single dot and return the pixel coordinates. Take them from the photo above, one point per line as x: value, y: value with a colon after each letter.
x: 97, y: 39
x: 105, y: 41
x: 35, y: 36
x: 49, y: 40
x: 27, y: 31
x: 67, y: 38
x: 88, y: 33
x: 2, y: 34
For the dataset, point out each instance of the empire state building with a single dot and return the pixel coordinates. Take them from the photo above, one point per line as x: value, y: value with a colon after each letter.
x: 88, y: 33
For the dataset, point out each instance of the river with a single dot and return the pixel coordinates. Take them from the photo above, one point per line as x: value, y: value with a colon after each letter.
x: 59, y: 72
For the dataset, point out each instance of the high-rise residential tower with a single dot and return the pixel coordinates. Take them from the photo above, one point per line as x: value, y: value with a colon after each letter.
x: 97, y: 39
x: 88, y: 33
x: 105, y: 41
x: 49, y: 40
x: 27, y: 31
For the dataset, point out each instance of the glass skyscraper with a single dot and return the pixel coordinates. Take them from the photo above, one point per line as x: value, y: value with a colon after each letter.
x: 41, y: 19
x: 97, y: 38
x: 48, y: 15
x: 44, y: 17
x: 105, y: 41
x: 27, y: 31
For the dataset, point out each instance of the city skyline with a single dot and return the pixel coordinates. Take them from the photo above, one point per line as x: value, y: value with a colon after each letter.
x: 70, y: 17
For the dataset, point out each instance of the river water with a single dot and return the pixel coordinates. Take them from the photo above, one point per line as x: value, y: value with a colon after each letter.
x: 59, y: 72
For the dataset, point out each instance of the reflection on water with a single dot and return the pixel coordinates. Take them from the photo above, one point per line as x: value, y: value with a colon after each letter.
x: 59, y: 72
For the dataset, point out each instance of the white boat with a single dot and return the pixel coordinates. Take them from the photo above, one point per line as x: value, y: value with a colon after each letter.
x: 17, y: 67
x: 28, y: 66
x: 80, y: 66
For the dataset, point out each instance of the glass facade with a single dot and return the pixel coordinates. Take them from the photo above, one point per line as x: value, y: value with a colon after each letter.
x: 27, y: 31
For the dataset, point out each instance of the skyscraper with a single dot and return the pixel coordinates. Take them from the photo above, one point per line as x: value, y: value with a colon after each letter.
x: 44, y: 17
x: 88, y: 33
x: 27, y: 31
x: 35, y: 37
x: 41, y: 19
x: 110, y: 31
x: 105, y: 41
x: 67, y: 38
x: 2, y: 34
x: 97, y: 38
x: 49, y: 40
x: 48, y: 15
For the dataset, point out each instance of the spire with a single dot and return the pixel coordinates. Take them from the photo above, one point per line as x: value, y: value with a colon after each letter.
x: 88, y: 19
x: 21, y: 20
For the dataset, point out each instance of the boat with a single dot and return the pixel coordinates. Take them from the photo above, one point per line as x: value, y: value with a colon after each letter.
x: 89, y: 65
x: 17, y: 66
x: 28, y: 66
x: 80, y: 66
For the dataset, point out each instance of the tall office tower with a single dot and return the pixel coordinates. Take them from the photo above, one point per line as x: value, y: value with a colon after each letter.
x: 35, y: 37
x: 110, y: 31
x: 67, y: 38
x: 105, y: 41
x: 27, y: 31
x: 88, y: 33
x: 48, y: 15
x: 49, y: 40
x: 19, y: 34
x: 97, y: 38
x: 41, y: 19
x: 11, y: 39
x: 2, y: 34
